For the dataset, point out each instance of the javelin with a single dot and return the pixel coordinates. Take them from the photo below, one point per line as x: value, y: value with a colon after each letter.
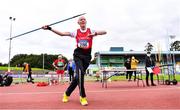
x: 48, y: 25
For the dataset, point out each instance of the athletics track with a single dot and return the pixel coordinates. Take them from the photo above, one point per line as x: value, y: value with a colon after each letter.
x: 118, y: 95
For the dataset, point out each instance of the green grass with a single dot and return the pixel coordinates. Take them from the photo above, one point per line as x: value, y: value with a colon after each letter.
x: 17, y: 68
x: 90, y: 78
x: 121, y: 78
x: 87, y: 78
x: 23, y: 80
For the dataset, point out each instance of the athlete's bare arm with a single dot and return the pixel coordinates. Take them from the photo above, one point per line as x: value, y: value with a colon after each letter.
x: 54, y: 65
x: 46, y: 27
x: 98, y: 33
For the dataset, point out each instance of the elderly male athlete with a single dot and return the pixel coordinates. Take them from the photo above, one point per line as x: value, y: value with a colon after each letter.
x: 82, y: 56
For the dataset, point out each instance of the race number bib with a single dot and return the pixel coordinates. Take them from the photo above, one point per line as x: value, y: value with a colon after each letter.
x: 83, y: 44
x: 60, y: 64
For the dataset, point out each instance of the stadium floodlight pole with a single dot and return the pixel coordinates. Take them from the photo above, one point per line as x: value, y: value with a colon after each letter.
x: 10, y: 34
x: 48, y: 25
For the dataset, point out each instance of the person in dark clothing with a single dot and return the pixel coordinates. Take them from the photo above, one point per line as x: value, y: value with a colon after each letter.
x: 82, y: 56
x: 27, y: 69
x: 127, y: 64
x: 150, y: 63
x: 71, y: 68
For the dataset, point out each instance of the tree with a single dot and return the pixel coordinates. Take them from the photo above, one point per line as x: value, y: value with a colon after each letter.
x: 175, y: 46
x: 35, y: 60
x: 148, y: 47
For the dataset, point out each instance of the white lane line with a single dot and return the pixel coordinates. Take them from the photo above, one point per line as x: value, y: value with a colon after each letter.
x: 100, y: 91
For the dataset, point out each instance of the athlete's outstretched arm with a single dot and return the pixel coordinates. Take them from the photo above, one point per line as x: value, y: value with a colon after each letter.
x: 98, y: 33
x: 46, y: 27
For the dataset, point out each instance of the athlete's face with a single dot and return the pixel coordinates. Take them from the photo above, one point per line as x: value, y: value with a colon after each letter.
x: 82, y: 21
x: 60, y: 57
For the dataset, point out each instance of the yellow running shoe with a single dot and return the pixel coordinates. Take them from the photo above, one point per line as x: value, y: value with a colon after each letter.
x: 83, y: 101
x: 65, y: 98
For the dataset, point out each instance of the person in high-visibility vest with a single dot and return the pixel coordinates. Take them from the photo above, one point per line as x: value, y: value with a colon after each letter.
x: 27, y: 69
x: 134, y: 64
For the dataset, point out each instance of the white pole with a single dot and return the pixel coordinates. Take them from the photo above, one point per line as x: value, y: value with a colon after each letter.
x: 10, y: 34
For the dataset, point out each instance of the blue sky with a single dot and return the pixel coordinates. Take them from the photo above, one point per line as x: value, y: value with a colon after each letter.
x: 129, y: 24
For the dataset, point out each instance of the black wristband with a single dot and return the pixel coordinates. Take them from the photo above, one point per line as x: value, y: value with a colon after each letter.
x: 95, y: 33
x: 49, y: 28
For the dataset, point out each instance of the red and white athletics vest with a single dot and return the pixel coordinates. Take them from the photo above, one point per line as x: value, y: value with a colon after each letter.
x: 83, y: 40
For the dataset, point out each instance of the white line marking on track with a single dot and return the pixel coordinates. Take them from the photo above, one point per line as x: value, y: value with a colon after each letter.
x: 100, y: 91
